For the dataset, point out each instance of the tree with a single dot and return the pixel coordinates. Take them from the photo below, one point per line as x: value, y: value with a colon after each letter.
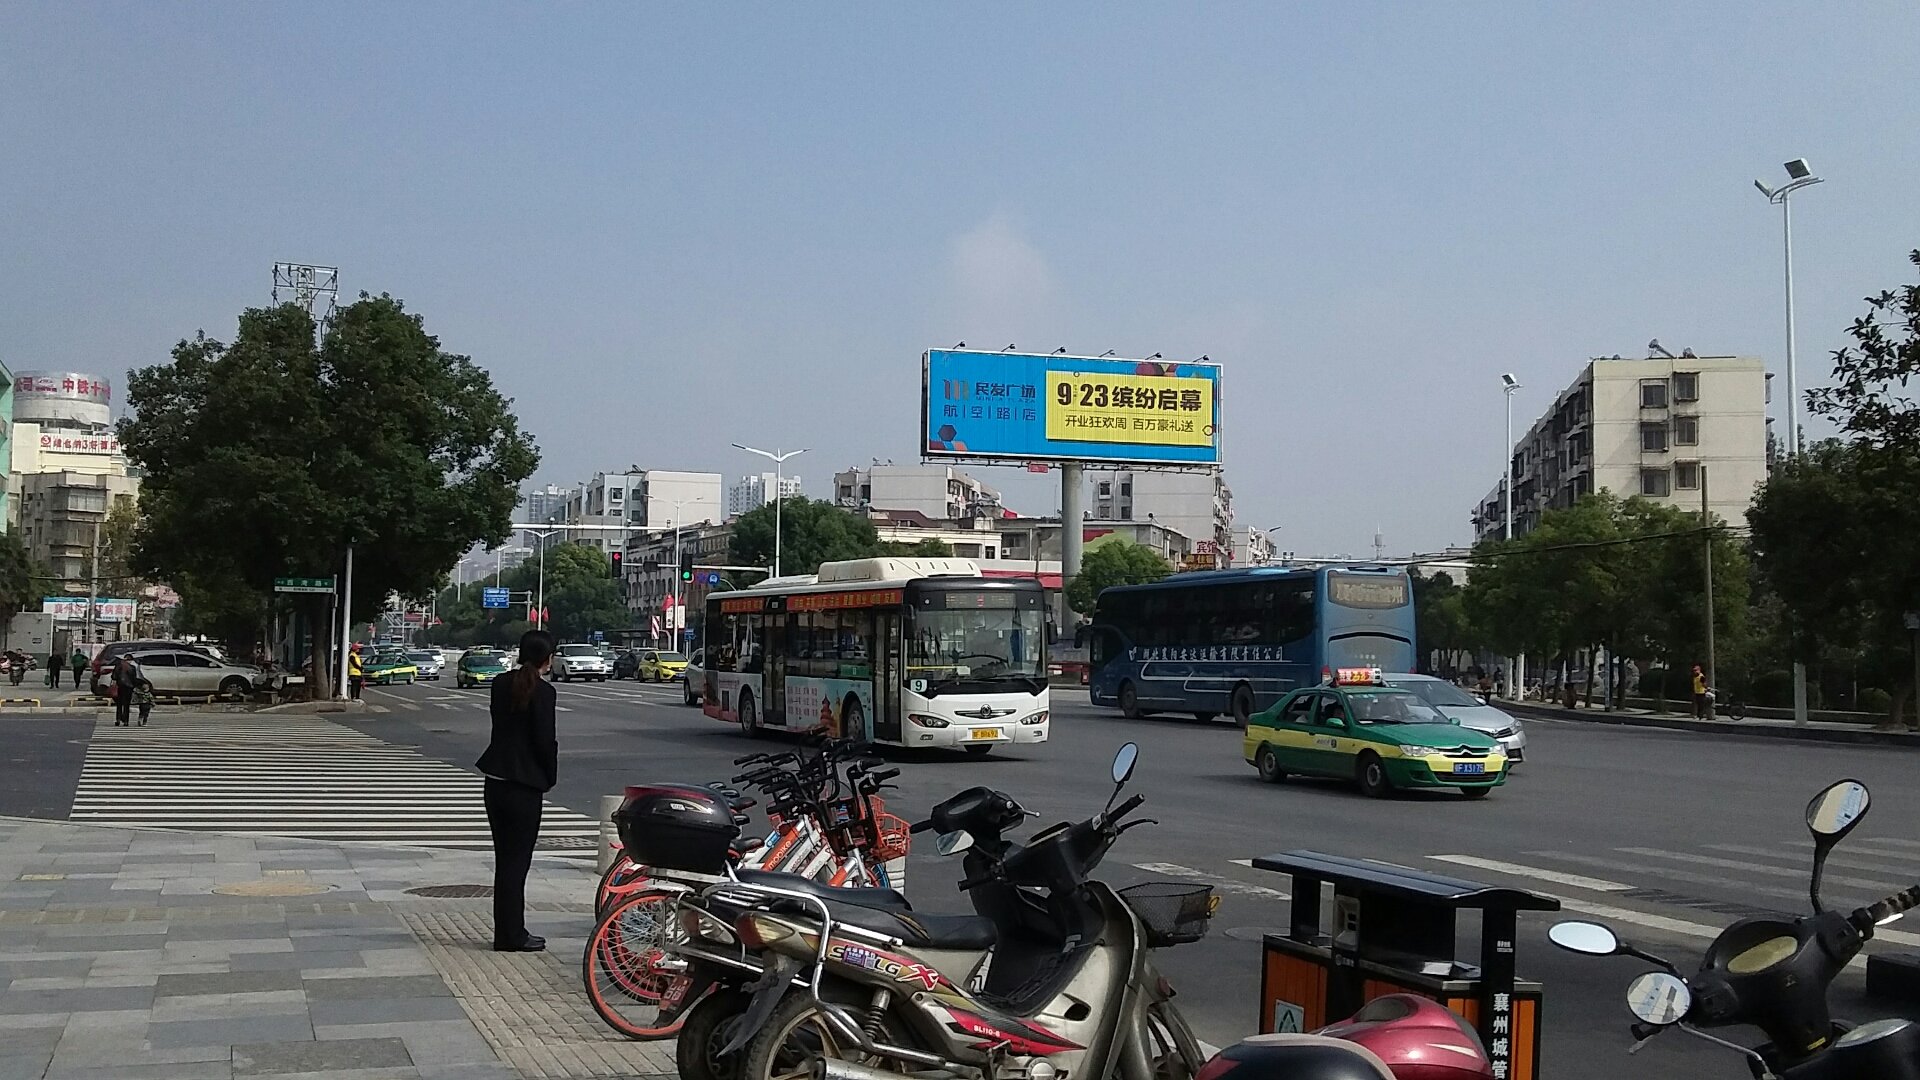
x: 1871, y: 378
x: 581, y: 597
x: 266, y: 457
x: 1116, y: 562
x: 18, y: 588
x: 812, y: 531
x: 1440, y: 616
x: 929, y: 548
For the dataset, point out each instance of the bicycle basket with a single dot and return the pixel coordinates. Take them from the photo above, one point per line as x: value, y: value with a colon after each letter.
x: 1173, y: 912
x: 893, y: 837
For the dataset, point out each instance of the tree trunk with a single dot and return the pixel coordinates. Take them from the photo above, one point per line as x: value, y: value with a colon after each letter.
x: 320, y: 685
x: 1897, y: 710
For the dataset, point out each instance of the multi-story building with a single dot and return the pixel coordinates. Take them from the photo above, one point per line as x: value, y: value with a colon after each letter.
x: 941, y: 492
x: 1650, y: 427
x: 1251, y: 546
x: 754, y: 491
x: 481, y: 565
x: 637, y: 499
x: 1197, y: 504
x: 1025, y: 539
x: 544, y: 504
x: 652, y: 574
x: 912, y: 527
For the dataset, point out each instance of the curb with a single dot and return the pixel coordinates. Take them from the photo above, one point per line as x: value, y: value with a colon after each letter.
x: 1811, y: 733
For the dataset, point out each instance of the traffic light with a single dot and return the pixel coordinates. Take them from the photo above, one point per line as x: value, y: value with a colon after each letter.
x: 686, y: 566
x: 613, y: 558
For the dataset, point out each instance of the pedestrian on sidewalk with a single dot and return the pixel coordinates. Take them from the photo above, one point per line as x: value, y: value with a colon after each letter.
x: 56, y: 663
x: 521, y: 765
x: 356, y: 675
x: 126, y: 679
x: 1699, y: 693
x: 78, y: 662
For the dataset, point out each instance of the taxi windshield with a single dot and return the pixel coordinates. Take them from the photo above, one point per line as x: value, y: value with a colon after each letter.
x: 1392, y: 707
x: 486, y: 662
x: 672, y: 658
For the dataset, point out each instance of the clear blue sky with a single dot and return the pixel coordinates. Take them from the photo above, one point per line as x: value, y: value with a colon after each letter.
x: 665, y: 231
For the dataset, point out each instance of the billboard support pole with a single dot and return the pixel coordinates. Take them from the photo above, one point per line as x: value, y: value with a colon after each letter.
x: 1072, y: 535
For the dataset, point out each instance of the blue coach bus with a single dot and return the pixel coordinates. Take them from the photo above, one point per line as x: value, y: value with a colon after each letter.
x: 1235, y: 641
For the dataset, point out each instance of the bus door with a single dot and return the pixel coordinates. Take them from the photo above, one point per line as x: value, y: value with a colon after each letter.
x: 887, y: 675
x: 774, y: 647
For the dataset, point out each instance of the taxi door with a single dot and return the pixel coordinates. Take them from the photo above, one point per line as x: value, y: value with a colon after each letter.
x: 1332, y: 745
x: 1291, y: 735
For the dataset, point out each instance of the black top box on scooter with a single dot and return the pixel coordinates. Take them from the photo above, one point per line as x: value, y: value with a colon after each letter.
x: 677, y: 827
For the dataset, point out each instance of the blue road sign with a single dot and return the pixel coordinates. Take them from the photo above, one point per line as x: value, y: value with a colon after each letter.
x: 713, y: 577
x: 491, y: 597
x: 688, y: 633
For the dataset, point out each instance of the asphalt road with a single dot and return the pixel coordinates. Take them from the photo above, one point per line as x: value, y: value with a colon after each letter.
x: 1667, y: 836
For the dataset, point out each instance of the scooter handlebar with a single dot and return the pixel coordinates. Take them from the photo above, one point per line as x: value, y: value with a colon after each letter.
x: 1866, y: 918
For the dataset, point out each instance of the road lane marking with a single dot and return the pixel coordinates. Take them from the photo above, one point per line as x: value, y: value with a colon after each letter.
x: 1757, y: 868
x: 1572, y: 881
x: 1223, y: 884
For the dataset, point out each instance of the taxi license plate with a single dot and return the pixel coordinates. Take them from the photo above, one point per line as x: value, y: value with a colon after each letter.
x: 1469, y: 768
x: 984, y: 733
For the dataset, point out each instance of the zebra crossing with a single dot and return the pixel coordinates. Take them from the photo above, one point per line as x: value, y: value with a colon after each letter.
x: 455, y: 699
x: 293, y: 776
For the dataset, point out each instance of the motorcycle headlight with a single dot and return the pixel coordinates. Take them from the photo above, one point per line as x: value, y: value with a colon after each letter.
x: 925, y: 721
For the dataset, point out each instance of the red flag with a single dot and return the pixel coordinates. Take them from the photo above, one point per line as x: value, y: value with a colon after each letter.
x: 545, y: 614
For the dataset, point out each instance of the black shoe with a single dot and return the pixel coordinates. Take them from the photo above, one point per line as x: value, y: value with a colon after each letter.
x: 530, y: 943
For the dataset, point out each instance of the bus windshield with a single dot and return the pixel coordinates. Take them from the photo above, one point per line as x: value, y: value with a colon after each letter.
x: 976, y: 645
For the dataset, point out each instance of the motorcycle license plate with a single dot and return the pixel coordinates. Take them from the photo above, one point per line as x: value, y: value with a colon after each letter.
x: 1469, y: 768
x: 675, y: 992
x: 985, y: 733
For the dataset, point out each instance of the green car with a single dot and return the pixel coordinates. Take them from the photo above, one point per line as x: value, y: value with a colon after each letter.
x: 389, y: 666
x: 478, y: 668
x: 1356, y: 727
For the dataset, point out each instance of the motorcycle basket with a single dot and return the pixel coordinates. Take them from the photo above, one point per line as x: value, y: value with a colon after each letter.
x: 1173, y: 912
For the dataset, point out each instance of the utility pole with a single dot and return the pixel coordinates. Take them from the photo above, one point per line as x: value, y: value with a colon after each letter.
x: 93, y: 583
x: 1706, y: 536
x: 346, y: 624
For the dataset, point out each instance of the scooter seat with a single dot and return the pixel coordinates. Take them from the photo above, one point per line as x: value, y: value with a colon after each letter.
x: 967, y: 933
x: 886, y: 899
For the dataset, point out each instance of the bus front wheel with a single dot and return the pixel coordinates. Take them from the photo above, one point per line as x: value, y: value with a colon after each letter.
x: 1130, y: 703
x: 1242, y: 705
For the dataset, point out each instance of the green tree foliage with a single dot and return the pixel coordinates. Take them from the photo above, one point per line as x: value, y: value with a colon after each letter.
x: 581, y: 598
x: 266, y: 457
x: 812, y: 531
x: 1116, y: 562
x: 1440, y: 612
x: 925, y: 549
x: 1836, y: 533
x: 19, y: 589
x: 1870, y: 396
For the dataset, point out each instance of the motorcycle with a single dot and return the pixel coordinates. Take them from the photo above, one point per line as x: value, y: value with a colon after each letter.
x: 1394, y: 1037
x: 1774, y: 973
x: 1052, y: 977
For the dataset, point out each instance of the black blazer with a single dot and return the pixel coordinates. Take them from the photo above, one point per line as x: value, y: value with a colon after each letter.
x: 525, y: 749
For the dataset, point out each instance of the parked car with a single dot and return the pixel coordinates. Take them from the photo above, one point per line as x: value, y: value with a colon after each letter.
x: 113, y: 650
x: 428, y: 663
x: 693, y: 677
x: 1467, y: 710
x: 580, y: 662
x: 478, y: 667
x: 186, y: 673
x: 658, y: 665
x: 627, y: 664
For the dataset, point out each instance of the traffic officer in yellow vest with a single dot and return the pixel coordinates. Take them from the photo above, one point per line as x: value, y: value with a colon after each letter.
x: 355, y: 674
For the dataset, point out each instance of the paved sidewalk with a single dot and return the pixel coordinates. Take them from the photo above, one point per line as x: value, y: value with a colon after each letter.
x: 1816, y: 731
x: 142, y: 954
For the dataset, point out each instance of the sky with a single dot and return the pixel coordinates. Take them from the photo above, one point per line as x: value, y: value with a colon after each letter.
x: 667, y: 229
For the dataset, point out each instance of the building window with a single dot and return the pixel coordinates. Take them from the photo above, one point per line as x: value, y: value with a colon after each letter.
x: 1126, y: 488
x: 1653, y: 393
x: 1686, y: 475
x: 1106, y: 488
x: 1653, y: 438
x: 1103, y: 512
x: 1686, y: 386
x: 1126, y: 513
x: 1656, y: 482
x: 1686, y: 430
x: 616, y: 494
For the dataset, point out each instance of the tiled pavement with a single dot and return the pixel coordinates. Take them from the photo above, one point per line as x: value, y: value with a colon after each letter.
x: 145, y: 954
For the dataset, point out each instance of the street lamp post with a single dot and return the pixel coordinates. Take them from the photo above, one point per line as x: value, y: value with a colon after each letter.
x: 779, y: 460
x: 539, y: 614
x: 1799, y: 175
x: 1516, y: 669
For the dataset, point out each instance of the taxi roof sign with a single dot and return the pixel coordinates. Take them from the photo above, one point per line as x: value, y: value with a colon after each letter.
x: 1358, y: 676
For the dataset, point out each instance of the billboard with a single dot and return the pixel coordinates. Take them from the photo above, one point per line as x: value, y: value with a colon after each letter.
x: 72, y: 396
x: 987, y: 406
x: 74, y: 609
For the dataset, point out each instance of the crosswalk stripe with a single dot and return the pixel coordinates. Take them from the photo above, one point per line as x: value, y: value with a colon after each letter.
x: 1223, y: 884
x: 298, y: 777
x: 1572, y: 881
x: 1757, y: 868
x: 1804, y: 859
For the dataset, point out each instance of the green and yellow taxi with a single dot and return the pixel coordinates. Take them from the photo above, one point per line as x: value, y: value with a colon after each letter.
x: 660, y: 666
x: 1356, y: 727
x: 387, y: 666
x: 478, y: 667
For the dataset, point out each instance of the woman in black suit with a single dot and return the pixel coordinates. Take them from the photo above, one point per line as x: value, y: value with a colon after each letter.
x: 521, y: 765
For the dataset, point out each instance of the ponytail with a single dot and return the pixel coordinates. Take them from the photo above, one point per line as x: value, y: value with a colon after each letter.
x: 536, y: 647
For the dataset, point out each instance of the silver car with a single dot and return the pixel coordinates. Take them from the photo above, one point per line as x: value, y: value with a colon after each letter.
x: 182, y: 673
x: 1469, y: 711
x: 428, y: 662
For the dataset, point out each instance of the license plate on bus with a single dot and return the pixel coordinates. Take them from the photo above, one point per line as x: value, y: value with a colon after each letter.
x: 984, y: 733
x: 1469, y: 768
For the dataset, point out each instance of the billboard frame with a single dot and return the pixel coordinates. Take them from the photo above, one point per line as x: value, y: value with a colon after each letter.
x: 1093, y: 463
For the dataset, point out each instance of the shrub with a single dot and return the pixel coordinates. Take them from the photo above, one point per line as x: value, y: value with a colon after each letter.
x: 1875, y: 700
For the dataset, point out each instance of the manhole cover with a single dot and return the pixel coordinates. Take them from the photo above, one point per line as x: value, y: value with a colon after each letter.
x: 452, y: 892
x: 282, y: 887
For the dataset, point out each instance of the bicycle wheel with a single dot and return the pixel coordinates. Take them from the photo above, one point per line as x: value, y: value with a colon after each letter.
x: 622, y: 879
x: 626, y: 966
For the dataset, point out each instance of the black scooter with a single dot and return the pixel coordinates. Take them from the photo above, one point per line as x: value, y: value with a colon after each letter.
x: 1774, y: 973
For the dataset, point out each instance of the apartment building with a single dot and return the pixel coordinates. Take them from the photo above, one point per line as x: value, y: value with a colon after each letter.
x: 756, y: 490
x: 1198, y: 505
x: 941, y: 492
x: 1651, y: 427
x: 636, y: 499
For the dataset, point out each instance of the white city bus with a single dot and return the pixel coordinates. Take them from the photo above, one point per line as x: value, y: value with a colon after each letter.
x: 910, y: 652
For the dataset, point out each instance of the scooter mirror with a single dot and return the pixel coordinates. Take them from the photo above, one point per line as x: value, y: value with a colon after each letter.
x: 953, y: 843
x: 1834, y: 812
x: 1584, y: 937
x: 1659, y: 998
x: 1124, y: 761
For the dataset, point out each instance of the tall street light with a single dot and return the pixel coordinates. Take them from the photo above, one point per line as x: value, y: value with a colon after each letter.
x: 1509, y: 384
x: 779, y: 459
x: 1798, y: 176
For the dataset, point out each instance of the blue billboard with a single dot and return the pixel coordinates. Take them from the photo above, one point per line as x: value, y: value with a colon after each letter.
x: 987, y: 406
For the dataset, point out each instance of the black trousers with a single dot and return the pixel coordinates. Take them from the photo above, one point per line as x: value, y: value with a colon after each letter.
x: 353, y: 685
x: 122, y: 704
x: 513, y: 817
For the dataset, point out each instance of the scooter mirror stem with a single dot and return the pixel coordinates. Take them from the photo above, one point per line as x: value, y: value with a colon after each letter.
x: 1638, y: 954
x: 1759, y: 1063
